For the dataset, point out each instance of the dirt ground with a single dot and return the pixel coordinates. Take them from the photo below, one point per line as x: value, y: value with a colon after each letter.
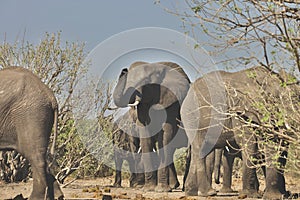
x: 96, y: 188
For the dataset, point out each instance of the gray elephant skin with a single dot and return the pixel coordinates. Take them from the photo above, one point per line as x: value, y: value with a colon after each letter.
x: 157, y: 90
x: 220, y: 157
x: 28, y: 111
x: 126, y: 148
x: 206, y: 114
x: 225, y: 157
x: 126, y: 145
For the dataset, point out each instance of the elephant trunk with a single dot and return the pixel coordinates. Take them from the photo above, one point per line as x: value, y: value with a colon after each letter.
x: 122, y: 96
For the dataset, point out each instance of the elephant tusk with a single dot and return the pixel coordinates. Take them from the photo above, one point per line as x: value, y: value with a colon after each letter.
x: 112, y: 108
x: 134, y: 104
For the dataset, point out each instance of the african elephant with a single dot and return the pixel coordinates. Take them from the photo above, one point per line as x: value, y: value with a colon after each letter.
x: 126, y: 148
x: 225, y: 157
x: 157, y: 90
x: 28, y: 111
x: 224, y: 102
x: 213, y: 163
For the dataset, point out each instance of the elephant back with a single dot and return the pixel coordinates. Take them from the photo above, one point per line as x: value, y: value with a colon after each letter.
x: 31, y: 82
x: 137, y: 63
x: 177, y: 68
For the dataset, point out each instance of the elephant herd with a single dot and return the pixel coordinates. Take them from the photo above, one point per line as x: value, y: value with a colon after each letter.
x: 217, y: 111
x: 212, y: 111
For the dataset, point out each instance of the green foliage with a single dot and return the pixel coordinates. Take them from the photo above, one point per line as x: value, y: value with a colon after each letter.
x: 180, y: 160
x: 61, y: 66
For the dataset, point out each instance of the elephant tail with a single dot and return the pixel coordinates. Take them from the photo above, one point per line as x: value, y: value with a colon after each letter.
x: 55, y: 130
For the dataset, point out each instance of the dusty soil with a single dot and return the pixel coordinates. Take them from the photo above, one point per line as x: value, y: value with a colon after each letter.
x: 96, y: 188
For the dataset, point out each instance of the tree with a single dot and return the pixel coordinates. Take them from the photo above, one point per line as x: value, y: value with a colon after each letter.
x: 246, y: 32
x: 61, y: 66
x: 241, y: 34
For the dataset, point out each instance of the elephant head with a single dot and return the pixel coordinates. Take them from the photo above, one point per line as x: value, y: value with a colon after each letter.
x: 151, y: 83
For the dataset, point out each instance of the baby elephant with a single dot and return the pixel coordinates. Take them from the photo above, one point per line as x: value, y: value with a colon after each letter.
x: 28, y: 110
x: 126, y: 145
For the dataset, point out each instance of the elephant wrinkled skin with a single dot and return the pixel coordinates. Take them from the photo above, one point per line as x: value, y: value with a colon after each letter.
x: 157, y: 90
x: 213, y: 113
x: 28, y: 111
x: 126, y: 145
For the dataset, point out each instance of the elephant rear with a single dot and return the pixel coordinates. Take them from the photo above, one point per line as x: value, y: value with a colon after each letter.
x: 28, y: 111
x: 23, y: 97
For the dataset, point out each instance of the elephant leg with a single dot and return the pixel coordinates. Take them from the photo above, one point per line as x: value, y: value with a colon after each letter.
x: 227, y: 172
x: 173, y: 180
x: 165, y: 153
x: 36, y: 155
x: 40, y: 187
x: 140, y: 175
x: 275, y: 181
x: 191, y: 182
x: 272, y: 190
x: 133, y: 174
x: 245, y: 139
x: 148, y: 160
x: 249, y: 178
x: 197, y: 181
x: 118, y: 164
x: 210, y: 162
x: 187, y: 166
x: 217, y: 165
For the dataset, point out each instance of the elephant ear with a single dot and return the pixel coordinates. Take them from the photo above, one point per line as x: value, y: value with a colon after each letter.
x: 176, y: 81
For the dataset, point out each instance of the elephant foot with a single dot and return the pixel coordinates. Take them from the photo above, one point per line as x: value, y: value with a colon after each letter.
x: 163, y: 188
x: 148, y: 187
x: 273, y: 195
x: 117, y: 185
x: 227, y: 190
x: 250, y: 194
x: 210, y: 192
x: 176, y: 185
x: 137, y: 184
x: 190, y: 192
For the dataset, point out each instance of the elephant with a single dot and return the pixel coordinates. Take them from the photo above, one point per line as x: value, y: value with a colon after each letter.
x: 214, y: 162
x: 157, y: 91
x: 214, y: 114
x: 29, y: 110
x: 225, y: 157
x: 126, y: 147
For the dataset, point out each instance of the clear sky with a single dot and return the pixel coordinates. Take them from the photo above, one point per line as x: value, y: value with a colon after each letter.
x: 94, y: 21
x: 91, y: 21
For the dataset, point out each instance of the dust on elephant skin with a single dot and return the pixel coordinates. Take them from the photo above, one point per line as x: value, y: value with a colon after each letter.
x: 28, y: 112
x: 214, y: 114
x: 157, y: 91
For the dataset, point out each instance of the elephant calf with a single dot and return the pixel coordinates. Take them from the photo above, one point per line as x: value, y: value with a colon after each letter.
x: 28, y: 111
x: 125, y: 148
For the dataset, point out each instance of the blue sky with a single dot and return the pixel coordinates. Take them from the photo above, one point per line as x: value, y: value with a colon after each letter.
x: 91, y: 21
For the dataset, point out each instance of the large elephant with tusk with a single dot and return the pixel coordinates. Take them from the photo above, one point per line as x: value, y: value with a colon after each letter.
x: 157, y: 91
